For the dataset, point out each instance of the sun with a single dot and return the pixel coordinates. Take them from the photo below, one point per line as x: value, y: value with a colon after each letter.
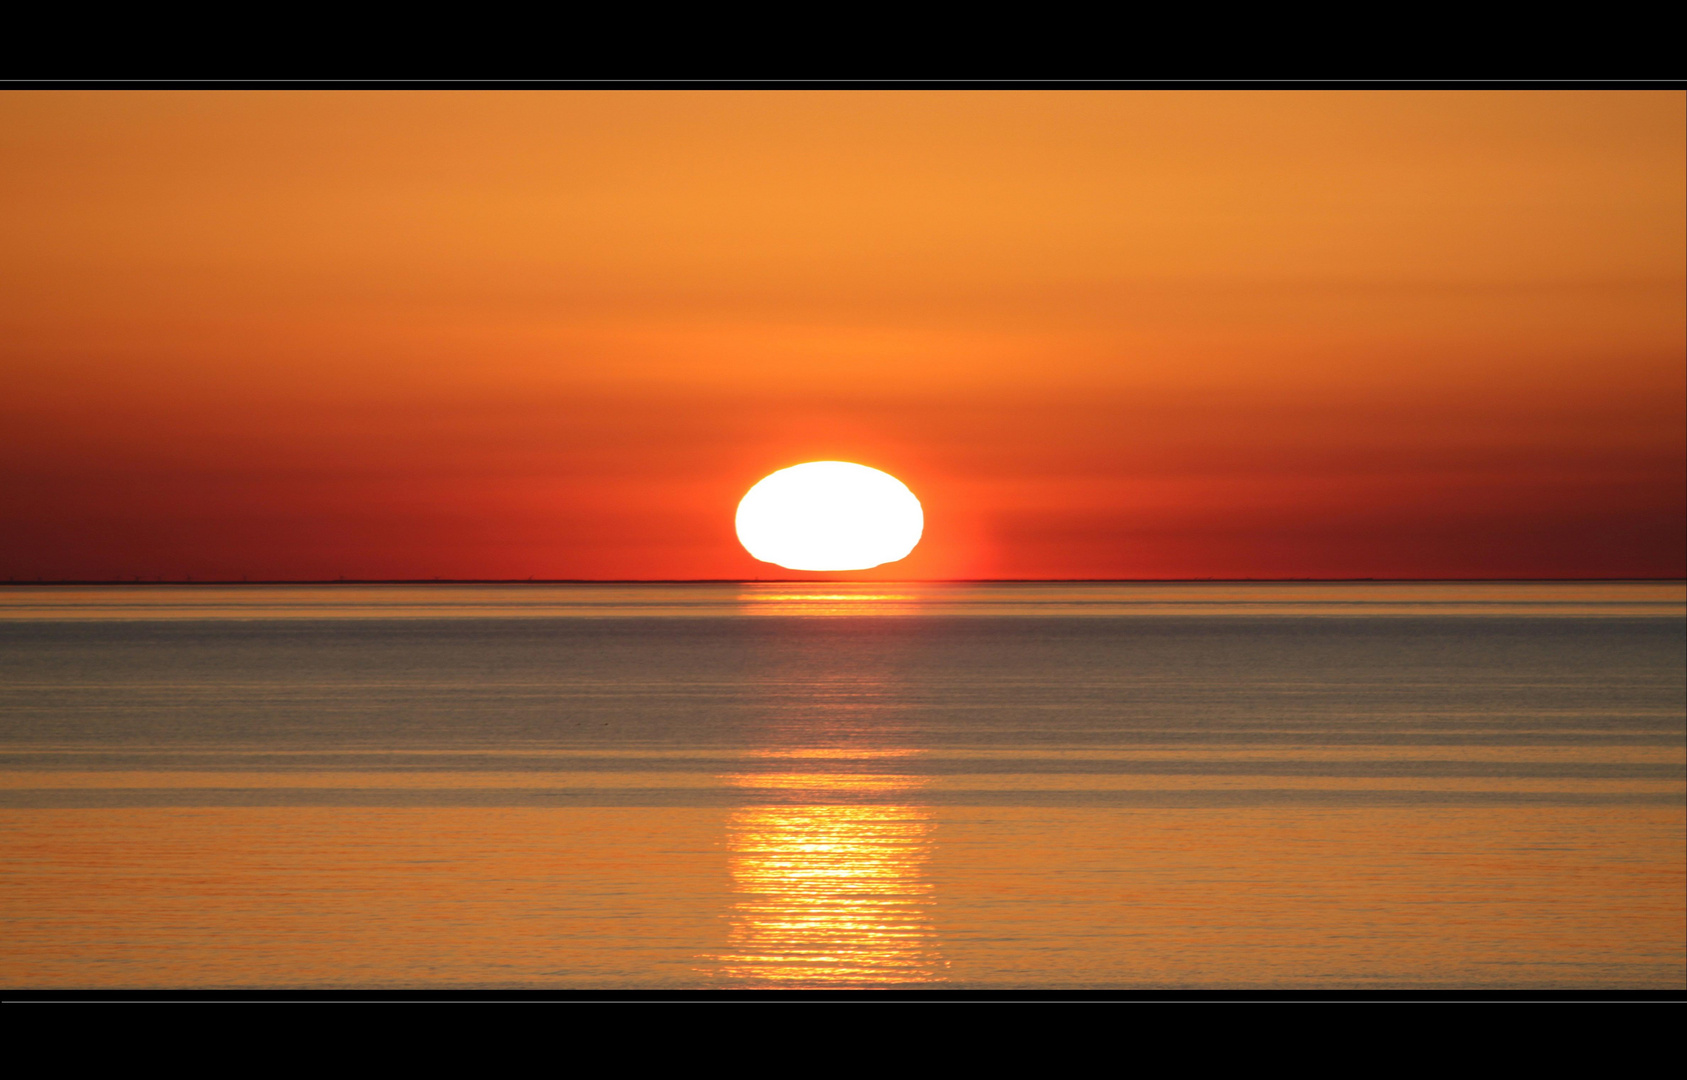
x: 830, y: 515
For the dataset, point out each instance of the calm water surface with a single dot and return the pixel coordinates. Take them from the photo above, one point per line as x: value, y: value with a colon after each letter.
x: 1269, y: 785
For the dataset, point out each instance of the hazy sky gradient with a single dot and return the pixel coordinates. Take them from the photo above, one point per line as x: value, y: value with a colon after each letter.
x: 379, y: 335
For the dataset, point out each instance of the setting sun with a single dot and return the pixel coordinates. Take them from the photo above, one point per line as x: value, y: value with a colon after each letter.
x: 830, y: 515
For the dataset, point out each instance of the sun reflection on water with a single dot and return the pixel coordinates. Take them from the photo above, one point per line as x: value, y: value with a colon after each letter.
x: 830, y: 894
x: 850, y: 599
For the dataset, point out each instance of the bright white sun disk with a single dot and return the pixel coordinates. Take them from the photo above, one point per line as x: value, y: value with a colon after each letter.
x: 830, y: 515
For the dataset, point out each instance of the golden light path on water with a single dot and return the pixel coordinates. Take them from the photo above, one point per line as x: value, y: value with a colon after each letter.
x: 831, y: 894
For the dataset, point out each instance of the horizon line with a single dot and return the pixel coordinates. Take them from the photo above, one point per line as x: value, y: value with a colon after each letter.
x: 824, y: 581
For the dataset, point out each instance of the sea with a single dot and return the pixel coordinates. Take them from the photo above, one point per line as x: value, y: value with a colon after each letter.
x: 1241, y: 787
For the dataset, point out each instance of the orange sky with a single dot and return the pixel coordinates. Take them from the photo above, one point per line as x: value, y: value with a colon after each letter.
x: 1115, y: 334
